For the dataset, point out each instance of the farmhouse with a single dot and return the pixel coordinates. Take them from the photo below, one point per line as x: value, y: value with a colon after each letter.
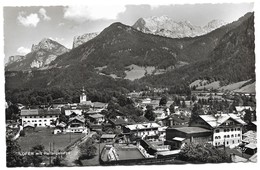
x: 148, y: 130
x: 226, y: 128
x: 77, y: 125
x: 39, y: 117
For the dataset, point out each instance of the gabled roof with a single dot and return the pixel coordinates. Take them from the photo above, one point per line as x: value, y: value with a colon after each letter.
x: 95, y: 116
x: 108, y: 136
x: 215, y: 121
x: 143, y: 126
x: 99, y: 104
x: 79, y: 118
x: 251, y: 146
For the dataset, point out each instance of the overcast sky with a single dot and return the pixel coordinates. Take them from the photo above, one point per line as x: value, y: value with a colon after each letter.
x: 24, y: 26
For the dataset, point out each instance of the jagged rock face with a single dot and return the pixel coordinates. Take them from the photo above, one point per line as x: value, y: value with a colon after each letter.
x: 165, y: 26
x: 78, y: 40
x: 41, y: 55
x: 50, y: 46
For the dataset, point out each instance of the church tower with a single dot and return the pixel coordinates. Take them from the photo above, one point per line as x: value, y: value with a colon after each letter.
x: 83, y: 96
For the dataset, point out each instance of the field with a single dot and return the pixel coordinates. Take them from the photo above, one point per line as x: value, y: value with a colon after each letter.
x: 44, y: 136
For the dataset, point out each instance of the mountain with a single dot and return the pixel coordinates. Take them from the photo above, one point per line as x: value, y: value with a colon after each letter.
x: 232, y: 60
x: 41, y: 55
x: 78, y: 40
x: 225, y: 54
x: 165, y: 26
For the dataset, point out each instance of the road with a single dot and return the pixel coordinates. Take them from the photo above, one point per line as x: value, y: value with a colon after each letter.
x: 74, y: 153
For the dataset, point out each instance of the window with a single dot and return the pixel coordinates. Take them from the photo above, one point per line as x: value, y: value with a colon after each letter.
x: 216, y: 137
x: 217, y: 130
x: 50, y: 116
x: 28, y: 121
x: 40, y: 124
x: 45, y: 116
x: 224, y: 136
x: 238, y: 128
x: 25, y: 117
x: 235, y: 135
x: 233, y: 141
x: 45, y: 120
x: 227, y: 136
x: 225, y: 130
x: 227, y: 143
x: 30, y: 116
x: 40, y: 120
x: 232, y: 130
x: 238, y: 135
x: 232, y: 136
x: 40, y: 116
x: 34, y: 116
x: 216, y: 144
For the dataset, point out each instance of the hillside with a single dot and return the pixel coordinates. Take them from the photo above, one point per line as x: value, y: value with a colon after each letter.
x: 232, y: 60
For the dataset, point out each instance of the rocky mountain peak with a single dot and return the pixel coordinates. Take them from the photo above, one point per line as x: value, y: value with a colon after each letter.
x: 166, y: 26
x: 78, y: 40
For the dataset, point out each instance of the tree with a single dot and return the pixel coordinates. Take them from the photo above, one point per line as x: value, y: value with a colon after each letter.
x: 183, y: 105
x: 248, y: 116
x: 36, y: 159
x: 149, y: 114
x: 163, y: 101
x: 203, y: 153
x: 13, y: 159
x: 172, y: 108
x: 196, y: 111
x: 87, y: 150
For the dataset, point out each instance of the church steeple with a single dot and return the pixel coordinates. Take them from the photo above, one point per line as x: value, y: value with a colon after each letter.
x: 83, y: 96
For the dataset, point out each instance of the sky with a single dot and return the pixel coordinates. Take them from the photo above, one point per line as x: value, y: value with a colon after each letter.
x: 24, y: 26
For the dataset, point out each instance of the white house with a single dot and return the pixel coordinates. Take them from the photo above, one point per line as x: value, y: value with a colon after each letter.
x: 148, y: 130
x: 226, y: 128
x: 39, y: 117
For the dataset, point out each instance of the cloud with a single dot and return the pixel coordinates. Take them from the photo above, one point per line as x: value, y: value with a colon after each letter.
x: 23, y: 50
x: 93, y: 12
x: 43, y: 14
x: 30, y: 20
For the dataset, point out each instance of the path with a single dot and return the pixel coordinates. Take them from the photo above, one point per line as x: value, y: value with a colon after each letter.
x: 74, y: 153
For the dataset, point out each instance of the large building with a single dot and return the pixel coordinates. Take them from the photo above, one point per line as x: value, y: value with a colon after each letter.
x: 226, y: 128
x: 39, y: 117
x: 144, y: 130
x: 177, y: 137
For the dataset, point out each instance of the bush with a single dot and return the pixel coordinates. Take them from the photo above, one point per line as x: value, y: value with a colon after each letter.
x: 22, y: 133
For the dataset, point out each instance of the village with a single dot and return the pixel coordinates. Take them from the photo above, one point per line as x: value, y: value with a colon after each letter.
x: 83, y: 134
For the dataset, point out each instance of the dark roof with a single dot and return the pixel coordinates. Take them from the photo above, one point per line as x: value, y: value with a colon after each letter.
x: 178, y: 118
x: 191, y: 130
x: 39, y: 112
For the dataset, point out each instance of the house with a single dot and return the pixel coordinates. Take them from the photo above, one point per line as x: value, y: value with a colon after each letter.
x: 77, y: 125
x: 118, y: 123
x: 226, y: 128
x: 39, y: 117
x: 143, y: 130
x: 175, y: 119
x: 250, y: 149
x: 99, y: 106
x: 76, y: 109
x: 177, y: 137
x: 240, y: 110
x: 96, y: 119
x: 107, y: 138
